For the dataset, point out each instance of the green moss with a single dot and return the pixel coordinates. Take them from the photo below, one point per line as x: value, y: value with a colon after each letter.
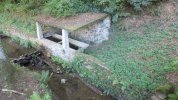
x: 166, y: 88
x: 72, y: 28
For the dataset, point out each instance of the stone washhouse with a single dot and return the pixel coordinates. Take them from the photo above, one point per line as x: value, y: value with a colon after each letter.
x: 72, y: 34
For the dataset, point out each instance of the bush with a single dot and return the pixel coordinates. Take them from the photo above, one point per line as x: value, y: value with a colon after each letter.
x: 43, y: 77
x: 60, y: 7
x: 138, y: 3
x: 36, y: 96
x: 72, y: 7
x: 173, y: 96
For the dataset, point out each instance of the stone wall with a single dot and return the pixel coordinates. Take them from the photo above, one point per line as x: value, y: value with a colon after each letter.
x: 93, y: 34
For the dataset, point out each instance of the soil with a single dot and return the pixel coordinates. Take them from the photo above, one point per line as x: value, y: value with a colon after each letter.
x: 171, y: 9
x: 20, y: 78
x: 13, y: 77
x: 173, y: 78
x: 167, y: 9
x: 23, y: 82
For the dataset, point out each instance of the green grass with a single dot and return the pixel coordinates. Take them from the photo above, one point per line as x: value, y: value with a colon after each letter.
x: 36, y: 96
x: 42, y: 77
x: 27, y: 27
x: 139, y: 60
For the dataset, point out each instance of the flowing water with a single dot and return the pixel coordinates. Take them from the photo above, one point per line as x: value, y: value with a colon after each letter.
x: 73, y: 89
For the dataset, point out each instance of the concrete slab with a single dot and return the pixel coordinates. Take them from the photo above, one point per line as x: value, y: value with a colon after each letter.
x: 72, y: 41
x: 72, y: 23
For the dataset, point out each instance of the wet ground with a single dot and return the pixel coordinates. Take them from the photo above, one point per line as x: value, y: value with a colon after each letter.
x: 73, y: 89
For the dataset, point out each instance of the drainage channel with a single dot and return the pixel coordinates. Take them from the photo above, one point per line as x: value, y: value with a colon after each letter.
x: 72, y: 89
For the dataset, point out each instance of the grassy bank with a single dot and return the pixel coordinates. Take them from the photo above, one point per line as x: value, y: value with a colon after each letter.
x: 20, y: 23
x: 139, y: 57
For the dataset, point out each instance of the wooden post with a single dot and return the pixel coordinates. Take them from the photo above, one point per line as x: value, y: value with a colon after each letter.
x: 65, y: 39
x: 39, y: 30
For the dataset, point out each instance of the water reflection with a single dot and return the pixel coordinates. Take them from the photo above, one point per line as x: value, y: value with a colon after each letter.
x: 2, y: 55
x: 74, y: 89
x: 6, y: 69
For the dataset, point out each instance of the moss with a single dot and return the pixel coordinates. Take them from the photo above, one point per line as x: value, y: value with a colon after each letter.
x: 72, y: 28
x: 166, y: 88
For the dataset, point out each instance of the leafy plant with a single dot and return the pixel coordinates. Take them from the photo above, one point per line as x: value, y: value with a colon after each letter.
x: 156, y: 12
x: 42, y: 77
x: 61, y: 62
x: 139, y: 3
x: 22, y: 42
x: 173, y: 96
x: 26, y: 43
x: 60, y: 7
x: 72, y: 7
x: 36, y: 96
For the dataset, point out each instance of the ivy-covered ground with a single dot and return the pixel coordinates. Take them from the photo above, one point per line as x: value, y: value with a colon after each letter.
x: 140, y: 55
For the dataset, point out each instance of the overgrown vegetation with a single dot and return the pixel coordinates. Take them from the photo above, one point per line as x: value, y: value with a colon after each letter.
x: 138, y: 59
x: 42, y: 77
x: 9, y: 21
x: 72, y: 7
x: 36, y: 96
x: 173, y: 96
x: 22, y: 42
x: 93, y: 76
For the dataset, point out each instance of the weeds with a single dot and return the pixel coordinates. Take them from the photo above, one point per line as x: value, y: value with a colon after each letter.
x: 138, y: 62
x: 9, y: 22
x: 36, y: 96
x: 22, y: 42
x: 173, y: 96
x: 61, y: 62
x: 43, y: 77
x: 72, y: 7
x: 156, y: 12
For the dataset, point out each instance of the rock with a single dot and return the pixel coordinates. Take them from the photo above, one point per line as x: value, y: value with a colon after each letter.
x: 158, y: 96
x: 59, y: 72
x: 63, y: 81
x: 58, y: 69
x: 161, y: 96
x: 154, y: 97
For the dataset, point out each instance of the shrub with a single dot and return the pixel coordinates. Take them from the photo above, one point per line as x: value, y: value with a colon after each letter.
x: 60, y: 8
x: 36, y: 96
x: 173, y: 96
x: 43, y: 78
x: 72, y: 7
x: 139, y: 3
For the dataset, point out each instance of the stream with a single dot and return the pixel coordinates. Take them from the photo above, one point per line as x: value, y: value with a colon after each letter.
x: 74, y: 89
